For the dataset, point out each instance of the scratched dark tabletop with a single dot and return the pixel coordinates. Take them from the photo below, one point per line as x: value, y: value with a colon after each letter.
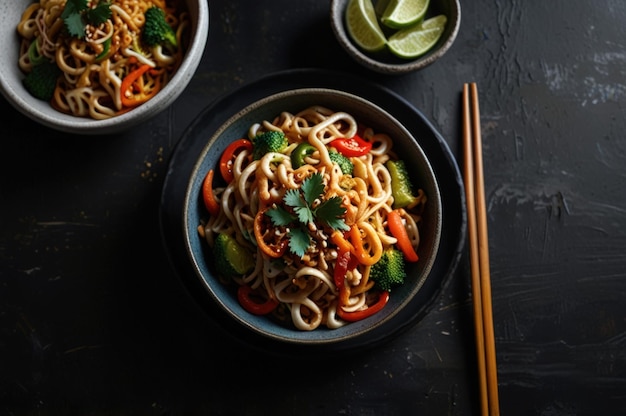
x: 94, y: 321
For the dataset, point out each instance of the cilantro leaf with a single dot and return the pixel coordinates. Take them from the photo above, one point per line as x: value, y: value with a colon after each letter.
x: 99, y: 14
x: 330, y: 212
x: 75, y: 25
x: 299, y: 241
x: 280, y: 216
x: 313, y: 188
x: 305, y: 215
x: 300, y: 201
x: 73, y: 7
x: 77, y: 13
x: 293, y: 199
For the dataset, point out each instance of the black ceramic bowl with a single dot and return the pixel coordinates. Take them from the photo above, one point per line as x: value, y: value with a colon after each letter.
x: 199, y: 256
x: 384, y: 61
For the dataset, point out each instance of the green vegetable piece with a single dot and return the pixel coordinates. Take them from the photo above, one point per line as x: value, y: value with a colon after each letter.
x: 42, y: 80
x: 156, y: 30
x: 34, y: 56
x: 300, y: 152
x: 231, y: 258
x: 389, y: 271
x: 106, y: 47
x: 268, y: 141
x: 400, y: 184
x: 345, y: 164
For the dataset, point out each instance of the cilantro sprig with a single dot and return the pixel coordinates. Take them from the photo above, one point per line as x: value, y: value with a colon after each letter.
x: 305, y: 206
x: 77, y: 15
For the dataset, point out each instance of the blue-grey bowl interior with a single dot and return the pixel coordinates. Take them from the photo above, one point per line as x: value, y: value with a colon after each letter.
x: 293, y: 101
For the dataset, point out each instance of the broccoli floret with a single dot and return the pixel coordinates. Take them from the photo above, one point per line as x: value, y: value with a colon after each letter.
x: 268, y: 141
x: 345, y: 164
x: 400, y: 184
x: 389, y: 272
x: 156, y: 31
x: 231, y: 258
x: 41, y: 81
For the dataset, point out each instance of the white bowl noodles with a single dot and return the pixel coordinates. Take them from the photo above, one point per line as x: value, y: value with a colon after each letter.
x: 93, y: 68
x: 305, y: 287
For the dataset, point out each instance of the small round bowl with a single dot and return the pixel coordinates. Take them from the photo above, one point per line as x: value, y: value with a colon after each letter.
x: 384, y: 61
x: 420, y: 170
x: 40, y: 111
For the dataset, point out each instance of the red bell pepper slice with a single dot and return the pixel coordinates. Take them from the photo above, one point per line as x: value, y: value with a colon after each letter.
x: 383, y: 298
x: 244, y: 297
x: 230, y: 154
x: 397, y: 229
x: 208, y: 196
x: 352, y: 147
x: 344, y: 263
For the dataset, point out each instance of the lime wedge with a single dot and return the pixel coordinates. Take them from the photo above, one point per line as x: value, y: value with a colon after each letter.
x: 417, y: 40
x: 403, y: 13
x: 363, y: 27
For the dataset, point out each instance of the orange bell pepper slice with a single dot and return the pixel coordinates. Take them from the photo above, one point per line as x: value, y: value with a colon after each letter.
x: 398, y: 230
x: 208, y: 196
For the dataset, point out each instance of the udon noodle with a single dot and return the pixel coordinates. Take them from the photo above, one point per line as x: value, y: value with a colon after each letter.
x: 306, y: 288
x: 94, y: 67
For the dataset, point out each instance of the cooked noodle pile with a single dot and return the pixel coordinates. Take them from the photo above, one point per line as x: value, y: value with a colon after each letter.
x: 95, y: 66
x: 305, y: 286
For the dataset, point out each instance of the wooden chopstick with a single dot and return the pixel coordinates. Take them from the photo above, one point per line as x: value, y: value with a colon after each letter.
x: 479, y: 252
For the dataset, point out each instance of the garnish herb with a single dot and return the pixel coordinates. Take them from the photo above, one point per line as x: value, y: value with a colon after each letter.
x: 77, y: 15
x: 305, y: 206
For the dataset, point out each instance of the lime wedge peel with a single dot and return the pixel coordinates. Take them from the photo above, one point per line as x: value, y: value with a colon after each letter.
x: 400, y: 14
x: 411, y: 41
x: 363, y: 26
x: 416, y: 40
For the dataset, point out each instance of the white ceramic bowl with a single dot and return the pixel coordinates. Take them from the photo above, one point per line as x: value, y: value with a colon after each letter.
x: 13, y: 90
x: 384, y: 61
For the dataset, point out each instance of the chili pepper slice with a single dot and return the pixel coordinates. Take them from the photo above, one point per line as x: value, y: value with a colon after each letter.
x: 127, y: 83
x: 208, y: 196
x: 398, y: 230
x: 245, y: 299
x: 352, y: 147
x: 300, y: 152
x: 275, y: 250
x: 230, y: 154
x: 383, y: 298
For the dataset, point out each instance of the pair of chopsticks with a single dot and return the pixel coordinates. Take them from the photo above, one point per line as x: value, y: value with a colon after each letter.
x: 479, y: 252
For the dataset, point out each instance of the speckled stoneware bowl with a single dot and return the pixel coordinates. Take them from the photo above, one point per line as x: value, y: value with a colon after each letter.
x: 13, y: 90
x: 384, y: 61
x: 293, y: 101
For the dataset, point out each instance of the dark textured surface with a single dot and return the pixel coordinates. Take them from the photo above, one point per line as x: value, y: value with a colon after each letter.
x: 93, y: 321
